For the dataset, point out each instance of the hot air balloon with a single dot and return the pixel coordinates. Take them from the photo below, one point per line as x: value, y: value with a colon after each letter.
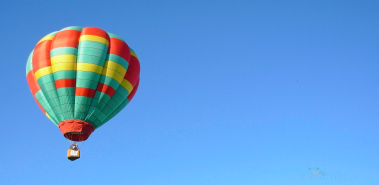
x: 81, y: 78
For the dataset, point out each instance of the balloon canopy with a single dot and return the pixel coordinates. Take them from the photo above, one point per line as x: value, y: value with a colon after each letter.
x: 81, y: 78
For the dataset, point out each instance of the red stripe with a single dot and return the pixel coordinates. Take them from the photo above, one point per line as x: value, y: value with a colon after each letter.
x: 132, y: 71
x: 120, y: 48
x: 95, y: 31
x: 133, y: 80
x: 65, y: 83
x: 33, y: 85
x: 41, y: 55
x: 134, y: 62
x: 131, y: 95
x: 80, y: 91
x: 105, y: 89
x: 66, y: 38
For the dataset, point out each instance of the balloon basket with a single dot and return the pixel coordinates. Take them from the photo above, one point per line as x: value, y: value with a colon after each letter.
x: 73, y: 152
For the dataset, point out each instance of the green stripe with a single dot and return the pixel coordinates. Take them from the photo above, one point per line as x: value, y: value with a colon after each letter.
x: 107, y: 110
x: 112, y: 103
x: 67, y: 101
x: 90, y: 59
x: 97, y: 122
x: 92, y: 44
x: 73, y: 28
x: 109, y: 81
x: 29, y: 65
x: 86, y: 75
x: 93, y: 52
x: 121, y: 89
x: 119, y: 60
x: 64, y: 75
x: 117, y: 97
x: 99, y: 100
x: 102, y: 116
x: 81, y: 107
x: 45, y: 79
x: 86, y: 84
x: 92, y: 114
x: 63, y: 51
x: 52, y: 33
x: 45, y: 105
x: 47, y: 87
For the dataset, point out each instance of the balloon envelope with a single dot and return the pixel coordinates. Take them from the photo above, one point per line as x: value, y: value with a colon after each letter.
x: 81, y: 78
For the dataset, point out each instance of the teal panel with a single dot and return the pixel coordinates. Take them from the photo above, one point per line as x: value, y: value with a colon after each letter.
x: 63, y: 51
x: 112, y: 103
x: 66, y: 91
x: 39, y: 94
x: 81, y: 107
x: 97, y: 122
x: 67, y: 101
x: 73, y: 28
x: 93, y: 44
x: 29, y: 65
x: 99, y: 104
x: 51, y: 95
x: 118, y: 59
x: 86, y: 84
x: 107, y: 111
x: 109, y: 81
x: 52, y: 33
x: 102, y: 116
x: 117, y: 97
x: 90, y: 59
x: 93, y: 52
x: 83, y: 100
x: 46, y: 87
x: 43, y: 102
x: 64, y: 75
x: 92, y: 114
x: 103, y: 98
x: 85, y: 75
x: 121, y: 90
x: 45, y: 79
x: 100, y: 100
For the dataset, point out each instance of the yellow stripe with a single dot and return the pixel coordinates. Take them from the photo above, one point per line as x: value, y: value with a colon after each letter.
x: 94, y: 38
x: 47, y: 115
x: 64, y: 67
x: 133, y: 54
x: 42, y: 72
x: 89, y: 67
x: 63, y: 59
x: 113, y: 74
x: 49, y: 37
x: 115, y: 66
x: 127, y: 85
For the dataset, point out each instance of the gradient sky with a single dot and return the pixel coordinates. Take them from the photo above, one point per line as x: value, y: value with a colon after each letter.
x: 231, y: 92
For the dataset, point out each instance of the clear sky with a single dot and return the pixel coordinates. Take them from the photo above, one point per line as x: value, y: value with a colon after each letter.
x: 231, y: 92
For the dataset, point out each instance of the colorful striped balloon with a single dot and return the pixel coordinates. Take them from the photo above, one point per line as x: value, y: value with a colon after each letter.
x: 81, y: 78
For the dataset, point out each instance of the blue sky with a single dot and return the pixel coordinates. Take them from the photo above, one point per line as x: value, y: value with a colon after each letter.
x: 231, y: 92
